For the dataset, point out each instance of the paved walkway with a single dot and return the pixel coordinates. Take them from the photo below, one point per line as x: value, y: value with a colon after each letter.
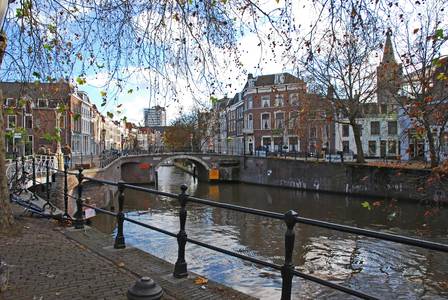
x: 49, y: 261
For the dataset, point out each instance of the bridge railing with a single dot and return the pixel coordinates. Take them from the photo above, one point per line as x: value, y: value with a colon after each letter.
x: 32, y: 165
x: 291, y: 218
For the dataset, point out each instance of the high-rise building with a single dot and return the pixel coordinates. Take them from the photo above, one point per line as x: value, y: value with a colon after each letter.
x: 155, y: 116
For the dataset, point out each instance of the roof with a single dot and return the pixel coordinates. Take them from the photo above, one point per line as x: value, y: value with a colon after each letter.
x: 268, y: 80
x: 19, y: 90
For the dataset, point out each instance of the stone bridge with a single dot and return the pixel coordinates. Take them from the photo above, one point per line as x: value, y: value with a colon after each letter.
x: 207, y: 166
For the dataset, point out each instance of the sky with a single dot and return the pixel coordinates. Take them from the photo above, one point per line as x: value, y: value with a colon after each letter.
x: 140, y: 98
x: 254, y: 59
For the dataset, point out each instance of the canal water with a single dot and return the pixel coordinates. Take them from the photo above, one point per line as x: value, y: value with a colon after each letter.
x: 382, y: 269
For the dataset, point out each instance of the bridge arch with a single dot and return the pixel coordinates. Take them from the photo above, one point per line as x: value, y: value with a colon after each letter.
x: 184, y: 156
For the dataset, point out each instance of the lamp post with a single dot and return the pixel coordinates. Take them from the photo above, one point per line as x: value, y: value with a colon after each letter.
x: 244, y: 149
x: 103, y: 134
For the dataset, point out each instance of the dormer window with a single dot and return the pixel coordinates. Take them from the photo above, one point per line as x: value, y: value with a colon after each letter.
x: 10, y: 102
x: 251, y: 82
x: 279, y: 78
x: 42, y: 103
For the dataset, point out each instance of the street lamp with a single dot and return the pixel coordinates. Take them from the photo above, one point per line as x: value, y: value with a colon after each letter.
x: 121, y: 142
x: 244, y: 148
x: 103, y: 133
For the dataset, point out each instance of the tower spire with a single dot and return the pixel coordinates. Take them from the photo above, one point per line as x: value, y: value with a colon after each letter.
x: 388, y: 54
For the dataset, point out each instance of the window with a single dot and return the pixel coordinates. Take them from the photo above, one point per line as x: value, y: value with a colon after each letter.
x: 313, y: 132
x: 392, y: 127
x: 279, y: 100
x: 279, y: 78
x: 293, y: 144
x: 12, y: 119
x: 250, y: 123
x: 62, y: 122
x: 10, y: 102
x: 267, y: 143
x: 294, y: 98
x: 265, y: 121
x: 249, y: 102
x: 42, y: 103
x: 279, y: 117
x: 372, y: 147
x: 345, y: 130
x: 374, y: 127
x: 327, y: 131
x: 345, y: 146
x: 251, y: 82
x: 265, y: 101
x: 28, y: 122
x: 392, y: 147
x: 293, y: 119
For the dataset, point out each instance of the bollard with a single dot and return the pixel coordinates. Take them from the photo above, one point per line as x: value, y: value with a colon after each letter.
x: 180, y: 269
x: 119, y: 239
x: 79, y: 221
x: 288, y: 266
x: 145, y: 289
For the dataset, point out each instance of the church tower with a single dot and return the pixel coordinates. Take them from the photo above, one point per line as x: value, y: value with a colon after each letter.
x: 389, y: 74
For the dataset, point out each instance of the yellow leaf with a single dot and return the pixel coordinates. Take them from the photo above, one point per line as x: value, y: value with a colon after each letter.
x: 80, y: 246
x: 121, y: 265
x: 200, y: 280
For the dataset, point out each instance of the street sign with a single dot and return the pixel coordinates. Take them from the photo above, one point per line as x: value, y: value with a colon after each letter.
x: 17, y: 135
x: 191, y: 135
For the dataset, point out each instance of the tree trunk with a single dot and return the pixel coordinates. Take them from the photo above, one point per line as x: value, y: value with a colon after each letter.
x: 6, y: 215
x: 360, y: 152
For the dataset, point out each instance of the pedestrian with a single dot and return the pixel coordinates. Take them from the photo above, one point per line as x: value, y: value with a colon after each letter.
x: 67, y: 154
x: 41, y: 150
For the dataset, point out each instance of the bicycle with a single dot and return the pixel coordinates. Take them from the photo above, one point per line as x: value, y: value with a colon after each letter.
x: 18, y: 185
x: 32, y: 208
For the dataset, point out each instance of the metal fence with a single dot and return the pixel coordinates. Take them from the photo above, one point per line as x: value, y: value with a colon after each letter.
x: 290, y: 218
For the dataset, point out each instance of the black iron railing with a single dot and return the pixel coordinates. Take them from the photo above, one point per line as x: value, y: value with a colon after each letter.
x: 290, y: 218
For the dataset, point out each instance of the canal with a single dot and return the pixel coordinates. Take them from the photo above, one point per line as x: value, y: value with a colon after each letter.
x: 383, y: 269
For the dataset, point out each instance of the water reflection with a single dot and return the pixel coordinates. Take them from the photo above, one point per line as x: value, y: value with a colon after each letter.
x: 384, y: 269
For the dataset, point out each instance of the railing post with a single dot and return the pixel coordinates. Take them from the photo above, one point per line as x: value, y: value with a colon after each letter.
x: 288, y: 267
x: 79, y: 221
x: 23, y: 166
x: 66, y: 214
x: 119, y: 239
x: 180, y: 269
x: 16, y: 175
x: 47, y: 166
x: 34, y: 174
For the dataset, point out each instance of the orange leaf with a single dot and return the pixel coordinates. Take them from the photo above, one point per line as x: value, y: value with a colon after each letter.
x: 431, y: 155
x: 315, y: 147
x: 121, y: 265
x: 437, y: 199
x: 399, y: 174
x: 365, y: 178
x: 431, y: 179
x: 399, y: 156
x: 330, y: 118
x: 420, y: 189
x: 435, y: 168
x: 437, y: 175
x: 58, y: 293
x: 200, y: 280
x: 427, y: 213
x: 377, y: 203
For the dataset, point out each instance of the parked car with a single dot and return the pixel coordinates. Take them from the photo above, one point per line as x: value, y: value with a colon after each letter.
x: 116, y: 152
